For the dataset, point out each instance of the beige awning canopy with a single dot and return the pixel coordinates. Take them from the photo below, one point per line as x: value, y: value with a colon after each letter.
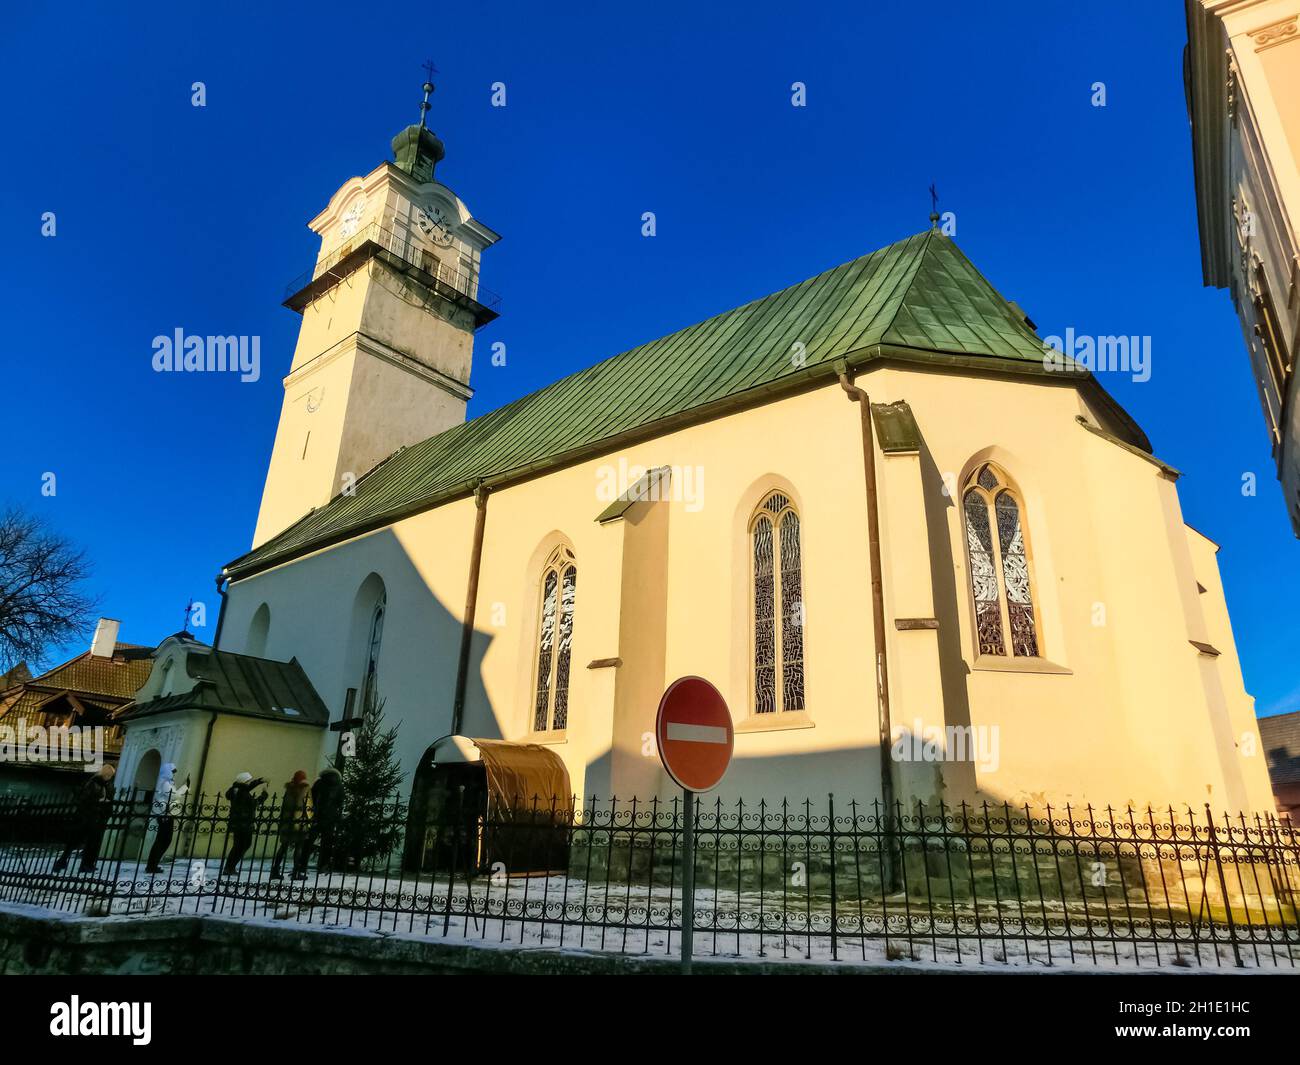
x: 519, y: 775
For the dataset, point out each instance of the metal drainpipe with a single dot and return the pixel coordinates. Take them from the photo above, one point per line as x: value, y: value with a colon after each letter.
x: 863, y: 401
x: 203, y: 763
x: 471, y: 600
x: 221, y: 614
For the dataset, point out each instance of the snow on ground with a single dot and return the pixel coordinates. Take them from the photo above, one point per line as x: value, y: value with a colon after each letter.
x: 566, y: 912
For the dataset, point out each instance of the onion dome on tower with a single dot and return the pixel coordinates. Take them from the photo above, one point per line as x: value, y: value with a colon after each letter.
x: 417, y: 148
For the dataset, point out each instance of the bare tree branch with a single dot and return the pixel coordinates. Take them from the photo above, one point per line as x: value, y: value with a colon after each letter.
x: 41, y: 600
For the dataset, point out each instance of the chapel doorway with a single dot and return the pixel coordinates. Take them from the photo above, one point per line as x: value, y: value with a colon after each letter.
x: 146, y: 773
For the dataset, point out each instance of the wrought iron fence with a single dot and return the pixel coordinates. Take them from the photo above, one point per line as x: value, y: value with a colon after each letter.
x: 833, y: 881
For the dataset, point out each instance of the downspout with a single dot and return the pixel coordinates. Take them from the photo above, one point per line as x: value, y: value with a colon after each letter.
x: 203, y: 763
x: 221, y: 613
x: 471, y: 601
x: 863, y: 401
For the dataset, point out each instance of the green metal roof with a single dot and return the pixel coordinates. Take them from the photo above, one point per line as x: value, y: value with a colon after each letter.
x: 243, y: 685
x: 919, y: 298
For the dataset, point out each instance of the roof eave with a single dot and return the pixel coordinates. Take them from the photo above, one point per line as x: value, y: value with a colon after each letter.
x: 790, y: 384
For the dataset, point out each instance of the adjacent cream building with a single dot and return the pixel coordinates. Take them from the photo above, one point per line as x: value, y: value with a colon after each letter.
x: 1242, y: 72
x: 1045, y: 627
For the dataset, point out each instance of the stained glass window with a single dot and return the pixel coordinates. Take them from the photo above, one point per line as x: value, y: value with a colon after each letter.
x: 1015, y: 578
x: 778, y: 607
x: 568, y: 590
x: 555, y: 642
x: 1001, y: 584
x: 983, y: 577
x: 370, y: 682
x: 764, y: 619
x: 791, y: 614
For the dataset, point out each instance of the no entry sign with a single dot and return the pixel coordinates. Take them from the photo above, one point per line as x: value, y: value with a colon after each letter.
x: 694, y: 732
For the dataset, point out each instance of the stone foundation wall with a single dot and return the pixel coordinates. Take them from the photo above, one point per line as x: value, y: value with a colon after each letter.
x: 34, y: 941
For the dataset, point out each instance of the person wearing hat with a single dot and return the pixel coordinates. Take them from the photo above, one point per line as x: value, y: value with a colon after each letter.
x: 293, y: 822
x: 167, y: 803
x: 242, y: 818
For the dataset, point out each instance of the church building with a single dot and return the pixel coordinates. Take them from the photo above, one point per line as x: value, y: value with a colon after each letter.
x: 917, y: 558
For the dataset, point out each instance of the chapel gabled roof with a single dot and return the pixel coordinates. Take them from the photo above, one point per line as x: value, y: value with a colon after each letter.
x: 243, y: 685
x: 919, y: 299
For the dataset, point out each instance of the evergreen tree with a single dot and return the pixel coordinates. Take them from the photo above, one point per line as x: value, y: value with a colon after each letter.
x: 370, y: 826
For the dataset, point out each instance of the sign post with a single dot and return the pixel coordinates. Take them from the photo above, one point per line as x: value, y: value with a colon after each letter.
x: 695, y: 736
x: 688, y: 879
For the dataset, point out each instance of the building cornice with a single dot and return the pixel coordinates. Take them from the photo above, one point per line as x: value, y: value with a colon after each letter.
x: 368, y: 345
x: 1207, y: 72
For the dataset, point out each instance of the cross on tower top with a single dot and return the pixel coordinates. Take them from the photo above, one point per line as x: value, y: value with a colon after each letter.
x: 934, y: 205
x: 429, y: 71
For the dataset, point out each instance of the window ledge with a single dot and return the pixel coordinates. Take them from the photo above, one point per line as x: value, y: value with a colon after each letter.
x: 775, y: 722
x: 546, y: 739
x: 999, y: 664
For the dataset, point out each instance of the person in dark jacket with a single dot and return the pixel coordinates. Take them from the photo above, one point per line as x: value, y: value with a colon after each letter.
x: 94, y: 804
x: 327, y: 811
x: 293, y: 823
x: 242, y: 818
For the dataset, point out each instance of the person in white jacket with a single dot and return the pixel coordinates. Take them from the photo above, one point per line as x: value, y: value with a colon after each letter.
x: 168, y: 801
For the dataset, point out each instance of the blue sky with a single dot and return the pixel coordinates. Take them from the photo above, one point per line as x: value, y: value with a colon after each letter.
x: 173, y: 216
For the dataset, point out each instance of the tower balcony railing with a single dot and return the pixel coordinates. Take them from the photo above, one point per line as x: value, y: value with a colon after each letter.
x: 402, y: 253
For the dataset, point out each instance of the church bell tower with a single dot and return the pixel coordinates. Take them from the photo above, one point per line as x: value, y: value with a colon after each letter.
x: 389, y: 313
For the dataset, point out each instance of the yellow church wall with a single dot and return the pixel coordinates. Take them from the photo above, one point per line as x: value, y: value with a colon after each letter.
x: 680, y: 606
x: 320, y: 614
x: 1121, y: 709
x: 1037, y: 721
x: 1118, y: 712
x: 524, y: 525
x: 388, y: 320
x: 266, y: 749
x: 382, y: 393
x: 302, y: 476
x: 1248, y: 753
x: 330, y: 318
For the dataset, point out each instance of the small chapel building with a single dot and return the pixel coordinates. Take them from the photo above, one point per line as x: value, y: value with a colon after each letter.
x: 916, y: 557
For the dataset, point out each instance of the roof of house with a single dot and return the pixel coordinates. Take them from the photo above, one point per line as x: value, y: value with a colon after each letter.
x: 244, y: 685
x: 1281, y: 738
x: 17, y: 675
x: 919, y: 299
x: 105, y: 683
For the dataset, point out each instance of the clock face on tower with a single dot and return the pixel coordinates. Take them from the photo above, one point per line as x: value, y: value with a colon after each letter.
x: 434, y: 224
x: 352, y: 219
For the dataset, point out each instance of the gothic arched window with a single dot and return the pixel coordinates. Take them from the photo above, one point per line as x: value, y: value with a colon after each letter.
x: 555, y: 642
x: 1006, y: 621
x: 259, y: 630
x: 778, y: 652
x: 370, y: 682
